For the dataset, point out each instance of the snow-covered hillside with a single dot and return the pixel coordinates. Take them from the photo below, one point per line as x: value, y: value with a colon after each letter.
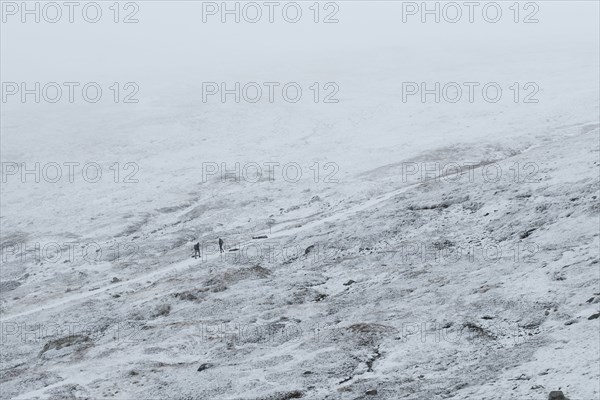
x: 460, y: 289
x: 388, y: 249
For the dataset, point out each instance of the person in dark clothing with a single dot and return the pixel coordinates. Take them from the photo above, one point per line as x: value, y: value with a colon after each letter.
x: 221, y: 246
x: 197, y: 250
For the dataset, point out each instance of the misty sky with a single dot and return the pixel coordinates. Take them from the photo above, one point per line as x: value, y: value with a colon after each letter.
x: 171, y: 39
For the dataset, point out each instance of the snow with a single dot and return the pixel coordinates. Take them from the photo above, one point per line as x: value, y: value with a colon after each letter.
x: 454, y: 287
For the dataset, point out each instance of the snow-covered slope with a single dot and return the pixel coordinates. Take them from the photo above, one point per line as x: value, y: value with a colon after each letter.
x: 462, y: 288
x: 383, y: 271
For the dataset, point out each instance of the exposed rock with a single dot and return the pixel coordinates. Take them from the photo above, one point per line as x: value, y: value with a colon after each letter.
x: 189, y: 296
x: 314, y: 199
x: 205, y: 366
x: 9, y: 285
x: 556, y: 395
x: 320, y: 296
x: 295, y: 394
x: 162, y: 310
x: 66, y: 341
x: 526, y: 233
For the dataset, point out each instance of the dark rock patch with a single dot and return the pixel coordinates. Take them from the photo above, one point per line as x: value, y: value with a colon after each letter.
x: 205, y: 366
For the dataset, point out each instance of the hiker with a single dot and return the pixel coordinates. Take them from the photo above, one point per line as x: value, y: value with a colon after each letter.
x: 221, y: 246
x: 197, y: 250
